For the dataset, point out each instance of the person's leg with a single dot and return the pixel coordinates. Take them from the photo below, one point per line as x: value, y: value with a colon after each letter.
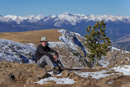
x: 56, y: 62
x: 44, y: 60
x: 59, y: 62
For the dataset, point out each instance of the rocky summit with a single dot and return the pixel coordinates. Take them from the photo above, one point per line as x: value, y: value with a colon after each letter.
x: 13, y: 74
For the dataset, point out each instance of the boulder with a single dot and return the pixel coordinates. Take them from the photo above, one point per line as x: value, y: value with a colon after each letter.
x: 72, y: 75
x: 7, y: 79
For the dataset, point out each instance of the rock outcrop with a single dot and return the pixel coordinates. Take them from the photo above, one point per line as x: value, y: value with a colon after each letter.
x: 12, y: 73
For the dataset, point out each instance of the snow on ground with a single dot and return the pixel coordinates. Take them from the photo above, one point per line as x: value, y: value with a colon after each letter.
x: 125, y: 69
x: 55, y: 44
x: 57, y: 80
x: 103, y: 63
x: 32, y: 45
x: 95, y: 75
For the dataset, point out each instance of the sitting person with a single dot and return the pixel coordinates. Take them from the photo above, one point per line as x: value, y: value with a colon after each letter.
x: 46, y: 56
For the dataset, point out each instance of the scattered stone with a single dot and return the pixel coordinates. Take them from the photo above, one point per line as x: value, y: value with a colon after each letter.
x: 81, y: 83
x: 78, y: 83
x: 65, y: 74
x: 71, y: 75
x: 104, y: 81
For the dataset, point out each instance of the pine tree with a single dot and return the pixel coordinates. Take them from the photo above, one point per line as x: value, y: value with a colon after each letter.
x: 97, y: 42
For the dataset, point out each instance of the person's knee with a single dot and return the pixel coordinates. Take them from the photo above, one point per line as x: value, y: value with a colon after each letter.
x: 46, y: 57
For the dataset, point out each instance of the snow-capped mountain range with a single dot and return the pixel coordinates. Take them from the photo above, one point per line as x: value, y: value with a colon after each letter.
x: 71, y: 18
x: 59, y: 19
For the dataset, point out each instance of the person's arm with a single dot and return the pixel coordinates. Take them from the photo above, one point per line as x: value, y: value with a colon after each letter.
x: 53, y: 51
x: 56, y: 54
x: 40, y: 50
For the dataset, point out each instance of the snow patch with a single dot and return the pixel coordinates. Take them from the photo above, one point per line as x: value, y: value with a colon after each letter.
x: 103, y: 63
x: 125, y: 69
x: 55, y: 44
x: 95, y: 75
x: 57, y: 80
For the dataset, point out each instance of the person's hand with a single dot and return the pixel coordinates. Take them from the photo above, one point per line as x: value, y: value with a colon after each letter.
x: 55, y: 58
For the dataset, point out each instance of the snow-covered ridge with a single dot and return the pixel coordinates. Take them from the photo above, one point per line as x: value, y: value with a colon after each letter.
x: 13, y: 51
x: 71, y: 41
x: 117, y: 49
x: 59, y: 19
x: 21, y: 53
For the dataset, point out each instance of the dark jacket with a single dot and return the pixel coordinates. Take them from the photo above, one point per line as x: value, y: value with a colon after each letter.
x: 44, y: 51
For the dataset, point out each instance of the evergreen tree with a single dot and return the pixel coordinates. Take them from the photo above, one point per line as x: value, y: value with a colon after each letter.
x: 97, y: 42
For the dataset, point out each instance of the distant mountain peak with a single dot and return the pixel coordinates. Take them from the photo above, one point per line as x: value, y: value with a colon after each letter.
x: 67, y: 13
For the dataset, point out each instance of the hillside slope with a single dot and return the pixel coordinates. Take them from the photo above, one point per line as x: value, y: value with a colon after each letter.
x: 31, y: 36
x: 123, y: 42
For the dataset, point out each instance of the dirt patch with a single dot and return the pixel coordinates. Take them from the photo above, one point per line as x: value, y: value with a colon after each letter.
x: 92, y: 70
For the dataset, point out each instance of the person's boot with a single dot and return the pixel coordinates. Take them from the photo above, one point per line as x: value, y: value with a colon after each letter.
x: 55, y: 71
x: 60, y: 70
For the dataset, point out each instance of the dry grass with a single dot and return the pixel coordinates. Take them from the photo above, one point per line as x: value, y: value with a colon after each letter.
x: 31, y: 36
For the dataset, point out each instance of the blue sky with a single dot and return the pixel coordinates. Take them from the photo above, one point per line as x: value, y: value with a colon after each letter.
x: 55, y: 7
